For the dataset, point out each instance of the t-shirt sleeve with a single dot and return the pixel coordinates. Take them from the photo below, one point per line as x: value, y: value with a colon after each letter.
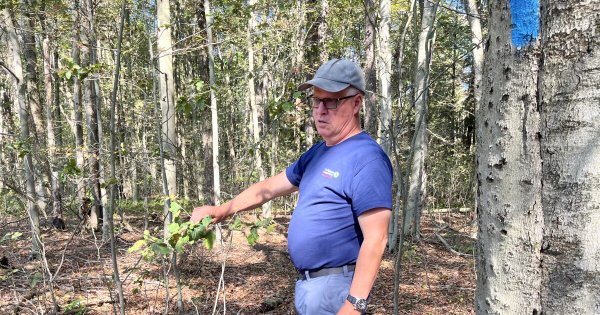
x: 294, y: 173
x: 372, y: 186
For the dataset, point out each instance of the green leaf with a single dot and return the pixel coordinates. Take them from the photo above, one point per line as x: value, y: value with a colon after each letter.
x: 206, y: 221
x: 253, y: 236
x: 175, y: 209
x: 271, y: 228
x: 209, y: 241
x: 181, y: 242
x: 37, y: 277
x: 137, y: 246
x: 16, y: 235
x: 173, y: 228
x: 237, y: 224
x: 287, y: 106
x: 160, y: 248
x: 197, y: 233
x: 199, y: 85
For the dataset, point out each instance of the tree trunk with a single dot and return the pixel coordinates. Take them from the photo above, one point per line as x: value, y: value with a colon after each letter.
x: 395, y: 130
x: 323, y: 31
x: 167, y: 104
x: 384, y: 74
x: 508, y: 175
x: 418, y: 182
x: 213, y: 106
x: 91, y: 102
x: 570, y: 114
x: 77, y: 115
x: 108, y: 227
x: 370, y: 107
x: 252, y: 99
x: 24, y: 136
x: 51, y: 142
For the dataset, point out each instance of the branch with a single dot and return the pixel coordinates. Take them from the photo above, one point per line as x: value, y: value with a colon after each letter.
x: 9, y: 71
x: 450, y: 247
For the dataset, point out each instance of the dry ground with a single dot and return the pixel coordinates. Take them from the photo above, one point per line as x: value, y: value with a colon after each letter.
x: 255, y: 279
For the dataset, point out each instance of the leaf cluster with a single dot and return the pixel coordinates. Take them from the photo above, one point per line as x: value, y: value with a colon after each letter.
x: 179, y: 235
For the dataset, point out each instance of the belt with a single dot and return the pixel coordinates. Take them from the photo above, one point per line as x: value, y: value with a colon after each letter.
x: 308, y: 274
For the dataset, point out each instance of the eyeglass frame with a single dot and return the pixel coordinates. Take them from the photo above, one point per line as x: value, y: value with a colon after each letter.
x: 311, y: 98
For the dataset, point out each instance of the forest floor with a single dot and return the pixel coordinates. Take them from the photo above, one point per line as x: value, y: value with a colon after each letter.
x: 255, y: 279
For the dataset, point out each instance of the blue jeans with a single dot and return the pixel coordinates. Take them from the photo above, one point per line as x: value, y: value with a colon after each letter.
x: 322, y: 295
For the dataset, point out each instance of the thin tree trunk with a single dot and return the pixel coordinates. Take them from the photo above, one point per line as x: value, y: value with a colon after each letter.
x: 167, y: 90
x: 370, y: 107
x: 213, y: 106
x: 91, y: 103
x: 384, y: 74
x: 393, y: 227
x: 323, y: 30
x: 51, y: 142
x: 418, y: 182
x: 24, y: 135
x: 252, y: 96
x: 113, y: 187
x: 77, y: 115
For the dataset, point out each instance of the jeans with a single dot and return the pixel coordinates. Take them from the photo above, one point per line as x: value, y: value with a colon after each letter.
x: 322, y: 295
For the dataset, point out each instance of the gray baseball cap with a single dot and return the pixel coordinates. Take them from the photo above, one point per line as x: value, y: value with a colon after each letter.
x: 336, y: 75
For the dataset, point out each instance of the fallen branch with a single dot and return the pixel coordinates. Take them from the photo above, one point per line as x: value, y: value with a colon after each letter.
x: 448, y: 247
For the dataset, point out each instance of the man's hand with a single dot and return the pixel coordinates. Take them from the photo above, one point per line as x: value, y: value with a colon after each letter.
x: 201, y: 212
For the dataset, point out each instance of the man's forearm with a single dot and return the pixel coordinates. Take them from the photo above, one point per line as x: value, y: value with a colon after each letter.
x: 257, y: 194
x: 367, y: 266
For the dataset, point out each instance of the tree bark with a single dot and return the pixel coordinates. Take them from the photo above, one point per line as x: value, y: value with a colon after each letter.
x: 24, y: 135
x: 77, y: 115
x: 570, y: 152
x: 167, y: 104
x: 213, y: 106
x: 418, y: 179
x: 254, y: 110
x: 91, y: 104
x: 384, y: 74
x: 371, y: 110
x: 508, y: 175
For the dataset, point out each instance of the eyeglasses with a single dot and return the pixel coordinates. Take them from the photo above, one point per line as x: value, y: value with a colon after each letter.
x: 330, y: 103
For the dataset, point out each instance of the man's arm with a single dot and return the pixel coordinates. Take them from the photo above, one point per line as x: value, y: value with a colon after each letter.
x: 251, y: 198
x: 374, y: 226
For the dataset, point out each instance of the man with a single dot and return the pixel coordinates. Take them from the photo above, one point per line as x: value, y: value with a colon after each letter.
x: 338, y: 231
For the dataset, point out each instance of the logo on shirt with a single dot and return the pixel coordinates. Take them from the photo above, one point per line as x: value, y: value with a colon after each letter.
x: 327, y: 173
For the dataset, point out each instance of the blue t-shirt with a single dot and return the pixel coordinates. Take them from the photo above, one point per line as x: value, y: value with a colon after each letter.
x: 337, y: 184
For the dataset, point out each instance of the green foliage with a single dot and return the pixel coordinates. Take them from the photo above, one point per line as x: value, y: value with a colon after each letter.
x: 10, y: 236
x: 70, y: 70
x: 36, y: 278
x: 75, y: 307
x: 179, y: 235
x: 253, y: 228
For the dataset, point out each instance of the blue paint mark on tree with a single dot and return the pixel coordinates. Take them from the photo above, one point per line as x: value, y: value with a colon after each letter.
x: 525, y: 15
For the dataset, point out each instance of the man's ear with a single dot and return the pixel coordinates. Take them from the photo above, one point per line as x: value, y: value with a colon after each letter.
x: 358, y: 101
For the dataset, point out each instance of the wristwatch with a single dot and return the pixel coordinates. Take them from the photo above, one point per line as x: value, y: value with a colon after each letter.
x: 358, y: 303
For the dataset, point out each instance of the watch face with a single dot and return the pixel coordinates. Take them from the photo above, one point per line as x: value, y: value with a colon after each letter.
x: 361, y: 304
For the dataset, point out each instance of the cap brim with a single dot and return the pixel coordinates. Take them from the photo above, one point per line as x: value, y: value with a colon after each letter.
x: 324, y: 84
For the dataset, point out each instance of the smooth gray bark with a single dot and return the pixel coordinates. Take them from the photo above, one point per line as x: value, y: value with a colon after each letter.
x: 24, y: 135
x: 213, y: 105
x: 418, y: 176
x: 371, y: 110
x: 384, y: 74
